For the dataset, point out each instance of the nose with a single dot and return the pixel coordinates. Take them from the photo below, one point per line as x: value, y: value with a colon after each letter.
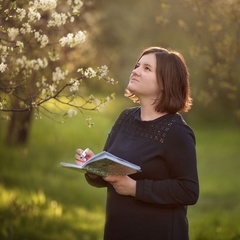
x: 135, y: 71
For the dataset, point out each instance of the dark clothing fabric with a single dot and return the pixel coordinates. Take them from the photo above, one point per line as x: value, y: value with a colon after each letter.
x: 165, y: 150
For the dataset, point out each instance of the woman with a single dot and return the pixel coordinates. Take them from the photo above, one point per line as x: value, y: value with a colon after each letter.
x: 152, y: 204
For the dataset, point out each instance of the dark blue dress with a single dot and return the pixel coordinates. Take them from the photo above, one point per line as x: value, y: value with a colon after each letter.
x: 165, y: 150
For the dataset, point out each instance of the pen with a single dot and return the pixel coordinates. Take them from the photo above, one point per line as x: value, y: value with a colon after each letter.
x: 84, y: 153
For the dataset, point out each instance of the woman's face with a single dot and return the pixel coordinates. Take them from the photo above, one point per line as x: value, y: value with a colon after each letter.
x: 143, y: 79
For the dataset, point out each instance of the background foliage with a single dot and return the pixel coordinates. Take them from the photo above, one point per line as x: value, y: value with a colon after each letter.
x: 206, y: 32
x: 40, y: 200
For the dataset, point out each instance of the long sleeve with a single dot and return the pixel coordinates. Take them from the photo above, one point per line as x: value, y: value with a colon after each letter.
x: 181, y: 188
x: 95, y: 182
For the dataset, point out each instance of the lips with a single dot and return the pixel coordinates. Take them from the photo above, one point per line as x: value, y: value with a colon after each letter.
x: 134, y: 80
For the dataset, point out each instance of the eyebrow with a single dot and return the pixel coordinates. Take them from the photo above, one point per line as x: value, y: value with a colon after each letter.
x: 144, y: 64
x: 147, y: 65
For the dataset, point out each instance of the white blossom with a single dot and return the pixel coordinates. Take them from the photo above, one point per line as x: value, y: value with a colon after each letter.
x: 72, y: 40
x: 90, y: 73
x: 103, y: 104
x: 95, y: 101
x: 74, y: 85
x: 111, y: 80
x: 66, y: 40
x: 53, y: 56
x: 80, y: 37
x: 3, y: 49
x: 21, y: 13
x: 57, y: 19
x: 12, y: 33
x: 22, y: 53
x: 45, y: 4
x: 80, y: 70
x: 1, y: 106
x: 44, y: 91
x: 58, y: 74
x: 52, y: 88
x: 26, y: 28
x: 100, y: 107
x: 77, y: 6
x: 33, y: 14
x: 3, y: 67
x: 44, y: 80
x: 4, y: 52
x: 34, y: 104
x: 71, y: 112
x: 103, y: 71
x: 43, y: 63
x: 21, y: 62
x: 44, y: 41
x: 36, y: 64
x: 108, y: 99
x: 20, y: 45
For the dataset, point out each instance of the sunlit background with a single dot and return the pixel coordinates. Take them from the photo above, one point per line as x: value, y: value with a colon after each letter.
x: 41, y: 200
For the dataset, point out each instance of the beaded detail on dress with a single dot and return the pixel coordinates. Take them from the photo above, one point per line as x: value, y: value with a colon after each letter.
x: 155, y: 130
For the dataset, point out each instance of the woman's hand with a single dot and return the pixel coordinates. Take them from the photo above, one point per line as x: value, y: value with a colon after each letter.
x: 81, y: 160
x: 123, y: 185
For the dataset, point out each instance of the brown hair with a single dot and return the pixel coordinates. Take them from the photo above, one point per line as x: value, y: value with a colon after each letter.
x: 172, y: 73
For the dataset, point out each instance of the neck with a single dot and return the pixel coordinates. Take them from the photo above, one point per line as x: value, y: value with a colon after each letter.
x: 149, y: 113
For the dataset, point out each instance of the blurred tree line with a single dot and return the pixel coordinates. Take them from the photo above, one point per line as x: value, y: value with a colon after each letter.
x: 206, y: 32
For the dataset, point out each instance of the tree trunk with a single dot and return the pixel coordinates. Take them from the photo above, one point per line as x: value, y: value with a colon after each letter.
x: 19, y: 128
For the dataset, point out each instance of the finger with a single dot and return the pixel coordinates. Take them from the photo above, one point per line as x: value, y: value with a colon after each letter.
x: 80, y: 162
x: 107, y: 178
x: 89, y: 153
x: 79, y: 151
x: 110, y: 179
x: 78, y: 156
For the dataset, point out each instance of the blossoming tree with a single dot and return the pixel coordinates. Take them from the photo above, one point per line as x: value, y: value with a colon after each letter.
x: 36, y: 75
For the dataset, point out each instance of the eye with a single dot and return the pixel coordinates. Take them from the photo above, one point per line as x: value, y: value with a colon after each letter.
x: 147, y: 68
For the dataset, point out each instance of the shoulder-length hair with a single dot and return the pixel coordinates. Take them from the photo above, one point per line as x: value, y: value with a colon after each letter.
x: 172, y: 73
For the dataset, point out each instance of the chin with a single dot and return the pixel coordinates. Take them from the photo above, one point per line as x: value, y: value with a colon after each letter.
x: 130, y: 87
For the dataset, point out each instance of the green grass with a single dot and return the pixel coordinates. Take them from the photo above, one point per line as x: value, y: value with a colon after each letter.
x: 41, y: 200
x: 217, y: 214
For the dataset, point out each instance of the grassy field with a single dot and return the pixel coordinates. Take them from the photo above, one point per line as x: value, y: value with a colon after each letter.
x: 41, y: 200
